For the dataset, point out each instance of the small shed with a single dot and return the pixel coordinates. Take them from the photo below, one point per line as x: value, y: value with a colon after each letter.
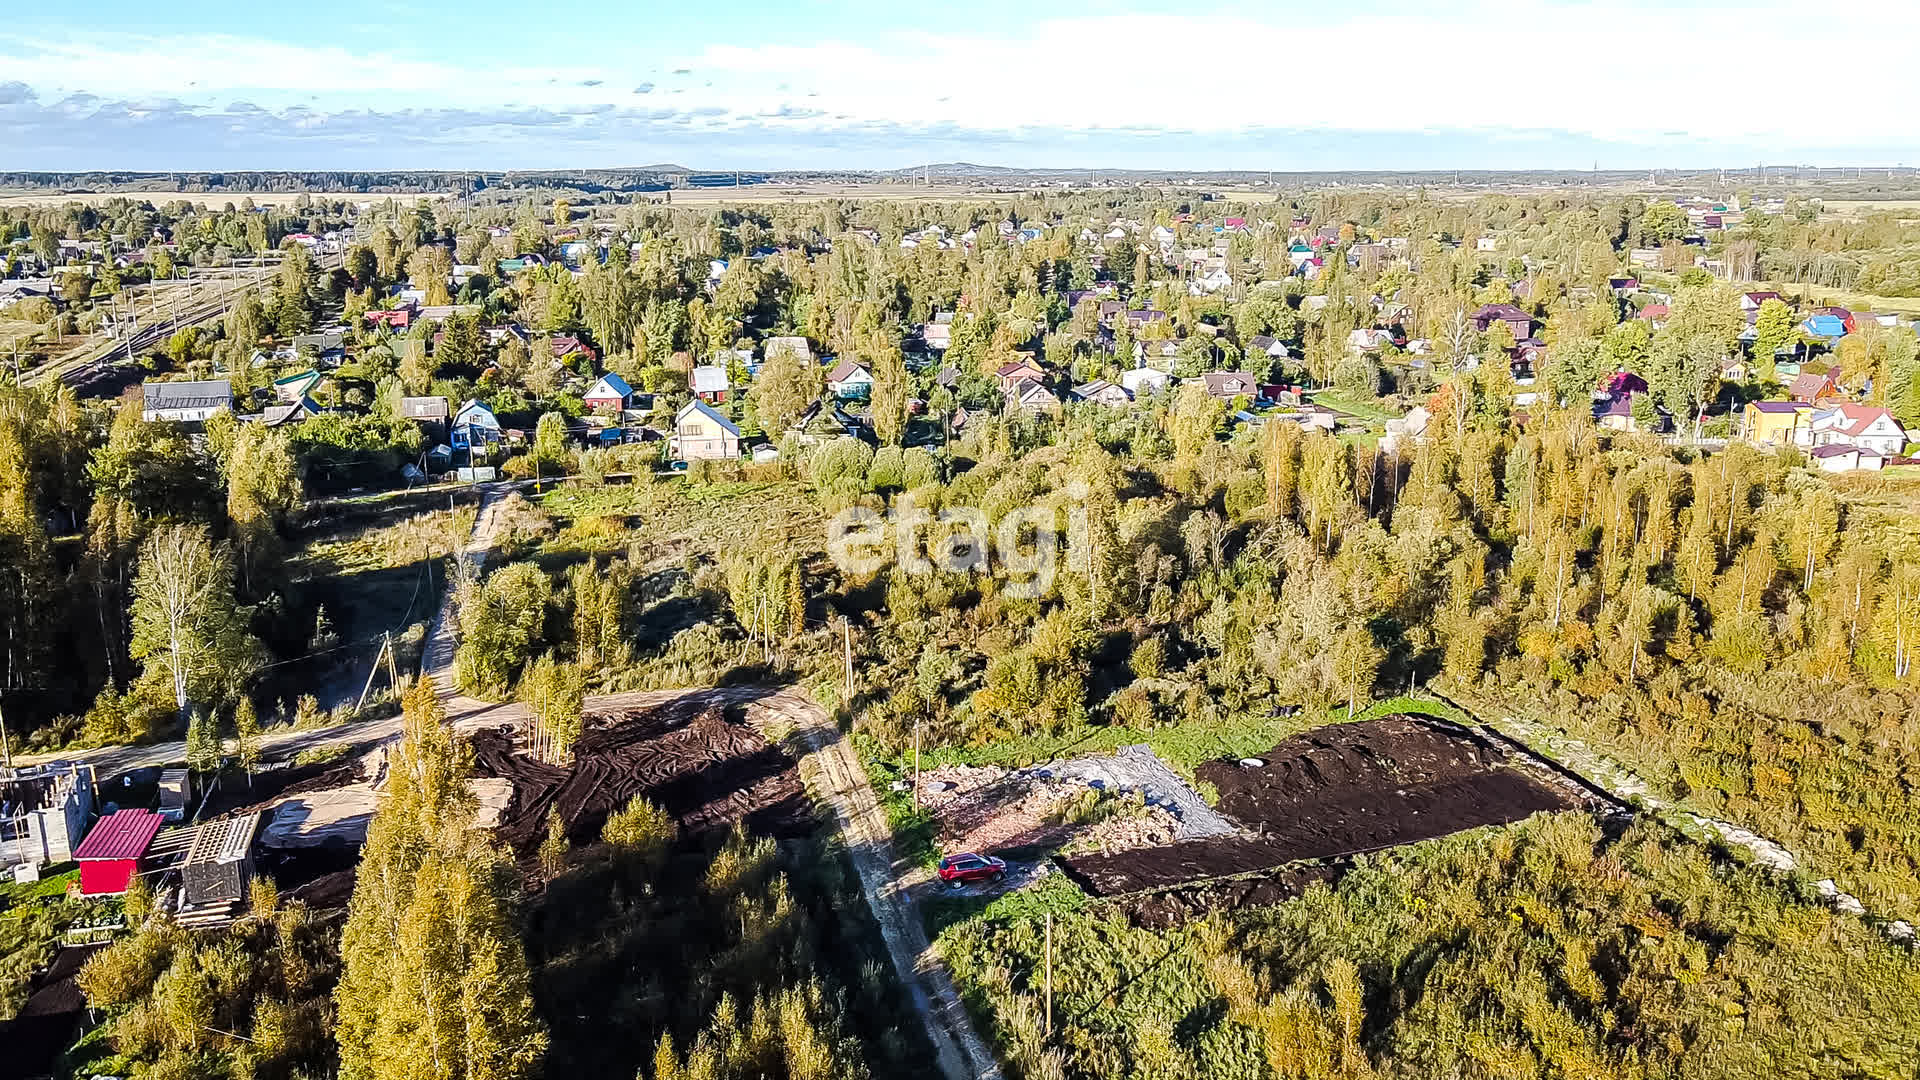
x: 220, y: 861
x: 110, y: 855
x: 175, y: 793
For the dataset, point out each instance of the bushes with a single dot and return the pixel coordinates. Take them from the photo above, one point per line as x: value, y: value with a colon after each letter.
x: 502, y: 625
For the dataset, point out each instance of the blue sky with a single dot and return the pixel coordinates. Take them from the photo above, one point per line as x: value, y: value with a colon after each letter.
x: 360, y: 84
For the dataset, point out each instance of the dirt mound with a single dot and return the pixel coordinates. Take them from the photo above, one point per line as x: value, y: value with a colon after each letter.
x: 1349, y: 788
x: 697, y: 764
x: 1336, y: 791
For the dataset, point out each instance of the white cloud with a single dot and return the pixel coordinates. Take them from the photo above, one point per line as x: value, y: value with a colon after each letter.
x: 1632, y: 72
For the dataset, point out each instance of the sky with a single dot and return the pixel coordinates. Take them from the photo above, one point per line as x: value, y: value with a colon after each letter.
x: 862, y: 84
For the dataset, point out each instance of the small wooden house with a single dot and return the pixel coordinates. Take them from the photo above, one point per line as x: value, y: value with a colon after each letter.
x: 110, y: 855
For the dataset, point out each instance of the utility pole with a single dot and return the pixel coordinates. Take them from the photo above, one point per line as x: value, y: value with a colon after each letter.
x: 846, y: 646
x: 916, y: 761
x: 1049, y: 1028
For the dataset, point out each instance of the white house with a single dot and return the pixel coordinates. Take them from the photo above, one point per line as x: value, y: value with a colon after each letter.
x: 709, y: 383
x: 1144, y: 380
x: 474, y: 423
x: 1838, y: 457
x: 1864, y: 427
x: 700, y: 433
x: 850, y: 380
x: 1102, y: 392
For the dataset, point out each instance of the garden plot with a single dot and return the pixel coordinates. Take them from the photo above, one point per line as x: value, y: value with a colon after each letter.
x: 1339, y: 791
x: 689, y: 758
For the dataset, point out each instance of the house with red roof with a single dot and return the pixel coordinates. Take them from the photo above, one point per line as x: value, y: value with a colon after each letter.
x: 1815, y: 387
x: 1752, y: 301
x: 110, y: 855
x: 1518, y: 321
x: 1863, y: 427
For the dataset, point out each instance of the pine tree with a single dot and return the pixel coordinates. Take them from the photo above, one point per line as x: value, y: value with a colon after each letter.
x: 246, y: 736
x: 434, y: 983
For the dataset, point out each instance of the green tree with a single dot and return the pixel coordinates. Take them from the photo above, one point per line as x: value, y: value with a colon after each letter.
x: 789, y: 383
x: 185, y: 622
x: 434, y: 982
x: 890, y: 394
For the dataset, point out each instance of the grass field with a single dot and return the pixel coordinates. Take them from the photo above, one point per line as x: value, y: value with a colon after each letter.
x: 1901, y: 305
x: 214, y: 199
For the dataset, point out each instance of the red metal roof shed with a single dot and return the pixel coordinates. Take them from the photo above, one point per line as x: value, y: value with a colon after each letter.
x: 110, y: 855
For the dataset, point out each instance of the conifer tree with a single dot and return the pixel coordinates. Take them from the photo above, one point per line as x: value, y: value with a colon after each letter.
x: 434, y: 984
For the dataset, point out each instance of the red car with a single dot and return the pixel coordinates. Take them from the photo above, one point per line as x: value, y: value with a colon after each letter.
x: 967, y: 866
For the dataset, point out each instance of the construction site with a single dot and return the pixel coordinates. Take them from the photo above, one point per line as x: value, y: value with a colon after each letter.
x: 1128, y: 830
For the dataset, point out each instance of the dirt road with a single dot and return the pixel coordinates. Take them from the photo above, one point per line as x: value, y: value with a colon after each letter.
x: 833, y: 774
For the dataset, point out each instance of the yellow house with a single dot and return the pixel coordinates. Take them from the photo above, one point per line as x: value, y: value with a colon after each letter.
x: 1778, y: 423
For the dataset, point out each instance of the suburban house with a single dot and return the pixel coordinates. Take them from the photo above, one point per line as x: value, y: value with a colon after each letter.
x: 1102, y: 392
x: 1777, y: 423
x: 1265, y: 346
x: 1815, y: 388
x: 709, y: 383
x: 569, y: 344
x: 1866, y: 427
x: 185, y: 402
x: 850, y: 380
x: 291, y: 412
x: 938, y: 334
x: 474, y: 425
x: 1615, y: 413
x: 1011, y: 375
x: 796, y: 345
x: 1751, y: 301
x: 1839, y: 457
x: 1408, y: 429
x: 610, y: 394
x: 110, y: 855
x: 325, y: 348
x: 1518, y: 322
x: 700, y: 433
x: 1144, y: 380
x: 294, y: 387
x: 426, y: 411
x: 1829, y: 327
x: 1231, y: 384
x: 1029, y: 396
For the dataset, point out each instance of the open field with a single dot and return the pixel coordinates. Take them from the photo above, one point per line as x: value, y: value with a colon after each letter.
x: 214, y: 199
x: 1857, y: 301
x: 793, y: 193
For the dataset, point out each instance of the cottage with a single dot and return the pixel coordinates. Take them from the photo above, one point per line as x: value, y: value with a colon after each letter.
x: 325, y: 348
x: 1030, y: 397
x: 292, y: 388
x: 1751, y: 301
x: 700, y: 433
x: 610, y: 394
x: 1262, y: 345
x: 1144, y: 380
x: 1838, y: 457
x: 426, y: 411
x: 1815, y: 387
x: 185, y: 402
x: 565, y: 345
x: 1019, y: 371
x: 1102, y: 392
x: 938, y: 335
x: 1230, y: 384
x: 474, y: 425
x: 709, y: 383
x: 1867, y: 427
x: 796, y: 345
x: 1518, y: 322
x: 291, y: 412
x: 110, y: 855
x: 1829, y: 328
x: 850, y: 380
x: 1777, y: 423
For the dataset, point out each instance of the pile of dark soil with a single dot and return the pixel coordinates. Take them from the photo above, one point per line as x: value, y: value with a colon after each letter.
x: 1349, y: 788
x: 1336, y: 791
x: 702, y: 766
